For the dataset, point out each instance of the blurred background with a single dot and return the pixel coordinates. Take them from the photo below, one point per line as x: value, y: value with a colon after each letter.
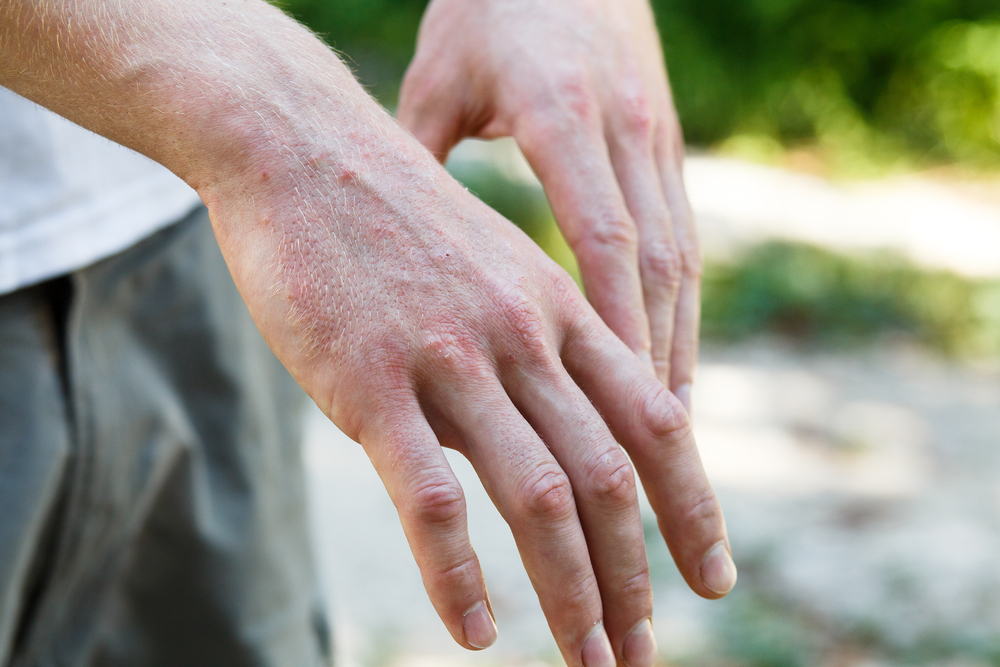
x: 845, y: 170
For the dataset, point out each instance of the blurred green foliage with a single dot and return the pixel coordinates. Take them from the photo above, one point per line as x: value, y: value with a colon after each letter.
x: 870, y: 83
x: 815, y: 295
x: 377, y: 37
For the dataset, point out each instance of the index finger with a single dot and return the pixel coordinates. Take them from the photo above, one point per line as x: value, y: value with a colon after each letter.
x: 573, y: 162
x: 655, y: 429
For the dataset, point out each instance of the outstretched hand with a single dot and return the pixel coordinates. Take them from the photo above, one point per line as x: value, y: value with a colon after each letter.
x: 581, y: 86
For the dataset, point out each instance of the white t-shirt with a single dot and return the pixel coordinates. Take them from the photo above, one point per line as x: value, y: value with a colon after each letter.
x: 69, y: 198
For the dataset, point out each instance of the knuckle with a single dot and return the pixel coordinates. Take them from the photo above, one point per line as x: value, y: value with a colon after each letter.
x: 637, y: 585
x: 437, y: 502
x: 574, y: 90
x: 525, y: 322
x: 521, y: 313
x: 418, y: 88
x: 706, y: 508
x: 463, y: 568
x: 611, y: 233
x: 687, y: 243
x: 636, y: 115
x: 547, y: 495
x: 664, y: 417
x: 562, y: 284
x: 611, y: 480
x: 582, y: 597
x: 539, y: 131
x: 413, y: 89
x: 559, y: 111
x: 452, y: 351
x: 662, y: 262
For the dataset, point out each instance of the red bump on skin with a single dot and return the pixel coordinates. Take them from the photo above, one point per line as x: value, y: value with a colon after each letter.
x: 347, y: 176
x: 264, y: 175
x: 576, y: 94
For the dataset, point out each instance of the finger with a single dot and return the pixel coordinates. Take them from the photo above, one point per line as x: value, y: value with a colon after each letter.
x: 432, y: 511
x: 659, y: 256
x: 432, y: 110
x: 572, y: 162
x: 605, y: 489
x: 653, y: 427
x: 536, y: 498
x: 684, y: 355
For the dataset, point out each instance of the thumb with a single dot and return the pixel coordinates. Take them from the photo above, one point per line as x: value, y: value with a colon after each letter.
x: 432, y: 110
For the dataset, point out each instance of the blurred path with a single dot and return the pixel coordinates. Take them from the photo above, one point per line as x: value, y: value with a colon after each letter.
x: 933, y: 223
x: 863, y: 494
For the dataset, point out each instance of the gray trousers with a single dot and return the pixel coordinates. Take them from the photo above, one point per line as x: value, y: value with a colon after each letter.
x: 152, y: 507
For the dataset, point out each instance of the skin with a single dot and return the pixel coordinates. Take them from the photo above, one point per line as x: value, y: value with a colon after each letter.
x: 412, y: 314
x: 582, y: 88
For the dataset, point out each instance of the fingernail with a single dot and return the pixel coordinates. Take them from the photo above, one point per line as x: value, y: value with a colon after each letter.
x: 480, y: 630
x: 597, y: 649
x: 718, y: 572
x: 683, y: 394
x: 640, y: 646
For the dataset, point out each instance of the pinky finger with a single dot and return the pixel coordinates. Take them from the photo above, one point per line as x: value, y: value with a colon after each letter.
x: 432, y: 511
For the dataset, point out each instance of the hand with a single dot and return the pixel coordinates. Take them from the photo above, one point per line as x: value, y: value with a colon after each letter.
x: 581, y: 86
x: 409, y: 311
x: 416, y: 317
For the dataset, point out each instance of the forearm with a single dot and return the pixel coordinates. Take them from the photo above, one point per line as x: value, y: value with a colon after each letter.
x: 262, y: 119
x: 209, y: 89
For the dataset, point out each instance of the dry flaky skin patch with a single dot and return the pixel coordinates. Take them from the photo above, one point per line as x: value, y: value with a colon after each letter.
x: 379, y: 263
